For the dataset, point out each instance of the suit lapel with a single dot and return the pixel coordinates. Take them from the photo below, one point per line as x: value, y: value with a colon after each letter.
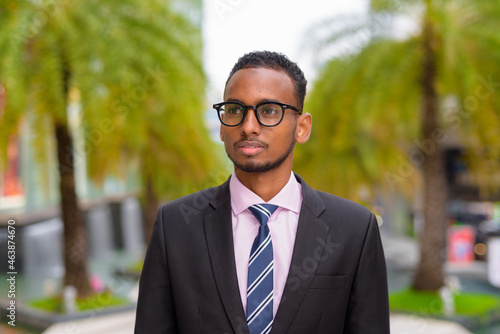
x: 219, y: 234
x: 309, y: 242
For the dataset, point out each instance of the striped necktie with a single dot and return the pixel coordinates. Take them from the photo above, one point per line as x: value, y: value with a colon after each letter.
x: 260, y: 274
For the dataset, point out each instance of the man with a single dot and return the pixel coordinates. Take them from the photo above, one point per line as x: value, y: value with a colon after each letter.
x: 263, y: 252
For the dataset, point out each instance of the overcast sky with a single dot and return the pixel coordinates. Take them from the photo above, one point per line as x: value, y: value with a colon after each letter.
x: 234, y: 27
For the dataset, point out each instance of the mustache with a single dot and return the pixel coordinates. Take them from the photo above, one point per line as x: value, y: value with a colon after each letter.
x: 253, y: 140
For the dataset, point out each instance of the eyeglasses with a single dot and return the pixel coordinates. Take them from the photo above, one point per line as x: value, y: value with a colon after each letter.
x: 268, y: 113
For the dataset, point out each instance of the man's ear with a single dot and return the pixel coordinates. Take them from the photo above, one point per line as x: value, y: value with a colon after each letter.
x: 221, y: 134
x: 304, y: 124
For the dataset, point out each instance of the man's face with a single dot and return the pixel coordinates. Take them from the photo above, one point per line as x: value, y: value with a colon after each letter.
x: 251, y: 146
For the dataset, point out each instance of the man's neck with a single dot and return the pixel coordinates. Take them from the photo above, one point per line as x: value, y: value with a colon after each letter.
x: 266, y: 185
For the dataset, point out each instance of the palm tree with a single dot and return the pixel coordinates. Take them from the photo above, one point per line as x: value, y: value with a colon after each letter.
x: 130, y: 65
x: 384, y: 109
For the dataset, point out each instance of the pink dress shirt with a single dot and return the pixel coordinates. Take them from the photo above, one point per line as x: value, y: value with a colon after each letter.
x: 282, y: 225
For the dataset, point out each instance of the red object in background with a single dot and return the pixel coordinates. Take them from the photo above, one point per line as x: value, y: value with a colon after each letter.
x: 461, y: 240
x: 12, y: 178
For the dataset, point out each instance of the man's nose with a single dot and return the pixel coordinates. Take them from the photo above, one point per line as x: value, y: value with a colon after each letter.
x: 250, y: 123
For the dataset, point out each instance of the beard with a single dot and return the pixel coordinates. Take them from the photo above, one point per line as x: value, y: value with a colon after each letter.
x: 251, y: 167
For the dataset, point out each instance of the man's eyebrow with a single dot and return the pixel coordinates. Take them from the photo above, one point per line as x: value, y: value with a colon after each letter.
x: 234, y: 100
x: 258, y: 102
x: 268, y: 101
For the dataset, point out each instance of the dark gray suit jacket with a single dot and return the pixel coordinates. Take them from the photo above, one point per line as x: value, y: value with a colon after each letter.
x: 337, y: 281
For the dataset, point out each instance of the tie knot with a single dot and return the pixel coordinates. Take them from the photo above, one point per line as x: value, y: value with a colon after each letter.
x: 262, y: 212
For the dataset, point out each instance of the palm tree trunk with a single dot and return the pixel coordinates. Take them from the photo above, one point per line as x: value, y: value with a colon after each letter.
x: 75, y: 234
x: 429, y: 275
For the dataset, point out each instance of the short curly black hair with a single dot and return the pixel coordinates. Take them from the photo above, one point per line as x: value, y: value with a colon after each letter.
x: 276, y: 61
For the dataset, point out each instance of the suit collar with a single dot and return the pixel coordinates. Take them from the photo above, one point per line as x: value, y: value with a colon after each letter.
x: 221, y: 195
x: 311, y: 200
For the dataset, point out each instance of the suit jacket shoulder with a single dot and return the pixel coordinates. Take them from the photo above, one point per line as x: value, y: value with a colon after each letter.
x: 343, y: 205
x: 331, y: 209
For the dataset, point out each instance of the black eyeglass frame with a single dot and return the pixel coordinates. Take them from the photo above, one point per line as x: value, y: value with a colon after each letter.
x: 284, y: 107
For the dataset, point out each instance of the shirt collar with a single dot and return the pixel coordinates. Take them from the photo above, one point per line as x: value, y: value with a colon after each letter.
x: 289, y: 197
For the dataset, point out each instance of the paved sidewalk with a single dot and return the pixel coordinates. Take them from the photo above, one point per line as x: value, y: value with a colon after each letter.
x: 118, y: 323
x: 409, y: 324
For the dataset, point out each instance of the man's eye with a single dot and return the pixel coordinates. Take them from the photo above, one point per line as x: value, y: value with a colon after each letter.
x: 269, y: 110
x: 234, y: 110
